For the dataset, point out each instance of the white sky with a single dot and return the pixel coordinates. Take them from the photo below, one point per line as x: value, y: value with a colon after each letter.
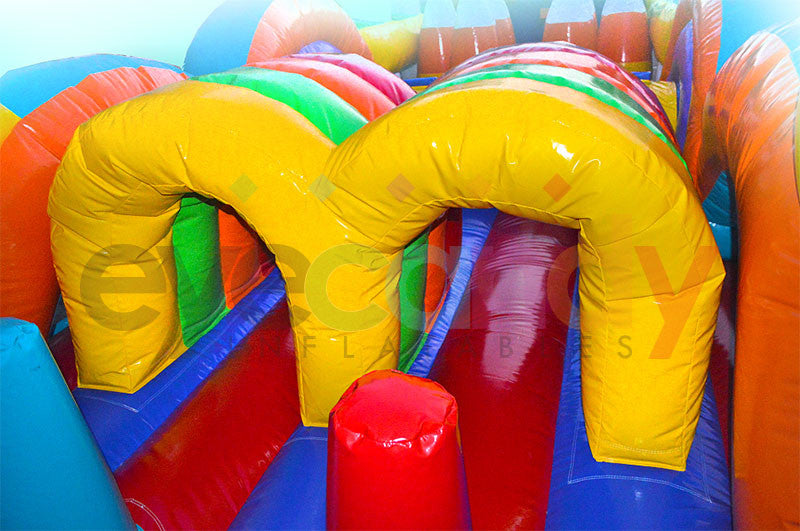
x: 32, y: 31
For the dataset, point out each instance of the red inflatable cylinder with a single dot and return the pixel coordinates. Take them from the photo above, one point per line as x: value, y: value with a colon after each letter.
x: 394, y: 456
x: 623, y: 35
x: 436, y: 38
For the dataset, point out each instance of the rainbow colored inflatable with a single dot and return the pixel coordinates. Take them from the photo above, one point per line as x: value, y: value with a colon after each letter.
x: 408, y: 265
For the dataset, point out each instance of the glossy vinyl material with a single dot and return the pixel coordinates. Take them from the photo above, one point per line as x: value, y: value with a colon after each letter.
x: 313, y: 100
x: 379, y: 189
x: 248, y: 31
x: 52, y: 474
x: 463, y: 181
x: 563, y: 77
x: 719, y: 28
x: 667, y: 94
x: 623, y: 34
x: 568, y: 56
x: 474, y: 30
x: 436, y: 38
x: 122, y: 422
x: 675, y: 17
x: 394, y: 456
x: 24, y: 89
x: 475, y: 227
x: 394, y: 44
x: 319, y: 47
x: 503, y: 27
x: 586, y: 494
x: 98, y: 365
x: 572, y: 21
x: 681, y: 75
x: 750, y: 128
x: 360, y: 94
x: 243, y: 259
x: 389, y: 84
x: 291, y: 493
x: 7, y: 121
x: 502, y: 361
x: 199, y: 468
x: 296, y: 147
x: 29, y: 157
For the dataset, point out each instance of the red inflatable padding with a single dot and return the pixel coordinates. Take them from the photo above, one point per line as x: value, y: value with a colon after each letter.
x: 394, y: 458
x: 288, y: 25
x: 504, y: 366
x: 364, y: 97
x: 198, y: 470
x: 568, y: 56
x: 435, y: 49
x: 29, y: 157
x: 625, y: 38
x: 389, y: 84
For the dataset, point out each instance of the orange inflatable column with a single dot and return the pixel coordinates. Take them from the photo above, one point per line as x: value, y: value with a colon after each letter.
x: 751, y: 128
x: 475, y: 30
x: 623, y: 35
x: 502, y: 23
x: 436, y: 38
x: 240, y: 256
x: 573, y: 21
x: 394, y: 456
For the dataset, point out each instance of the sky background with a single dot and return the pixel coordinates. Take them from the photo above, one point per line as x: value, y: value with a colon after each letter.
x: 32, y: 31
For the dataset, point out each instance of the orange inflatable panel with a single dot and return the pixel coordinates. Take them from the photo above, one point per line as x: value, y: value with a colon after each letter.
x: 29, y: 157
x: 750, y: 126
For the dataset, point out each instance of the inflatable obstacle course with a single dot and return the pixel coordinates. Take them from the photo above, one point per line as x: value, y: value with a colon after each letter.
x: 511, y: 292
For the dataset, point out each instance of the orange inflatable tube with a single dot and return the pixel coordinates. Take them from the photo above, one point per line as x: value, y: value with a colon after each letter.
x: 750, y: 129
x: 29, y: 157
x: 287, y: 24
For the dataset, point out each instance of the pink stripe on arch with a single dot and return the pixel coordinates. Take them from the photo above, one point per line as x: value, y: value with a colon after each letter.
x: 389, y: 84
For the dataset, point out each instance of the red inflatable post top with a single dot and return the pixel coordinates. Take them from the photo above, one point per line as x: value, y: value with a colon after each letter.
x: 394, y: 456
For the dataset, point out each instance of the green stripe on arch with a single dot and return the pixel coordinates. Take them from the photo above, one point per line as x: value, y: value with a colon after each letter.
x: 329, y: 113
x: 599, y: 89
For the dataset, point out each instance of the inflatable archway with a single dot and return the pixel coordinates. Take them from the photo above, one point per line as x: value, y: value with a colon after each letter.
x: 256, y: 30
x: 365, y: 203
x: 751, y: 131
x: 66, y: 94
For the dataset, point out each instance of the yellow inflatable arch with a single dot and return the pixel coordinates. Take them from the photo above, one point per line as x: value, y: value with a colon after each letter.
x: 338, y: 219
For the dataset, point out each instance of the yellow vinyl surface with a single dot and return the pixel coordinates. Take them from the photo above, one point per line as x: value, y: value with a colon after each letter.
x: 339, y: 219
